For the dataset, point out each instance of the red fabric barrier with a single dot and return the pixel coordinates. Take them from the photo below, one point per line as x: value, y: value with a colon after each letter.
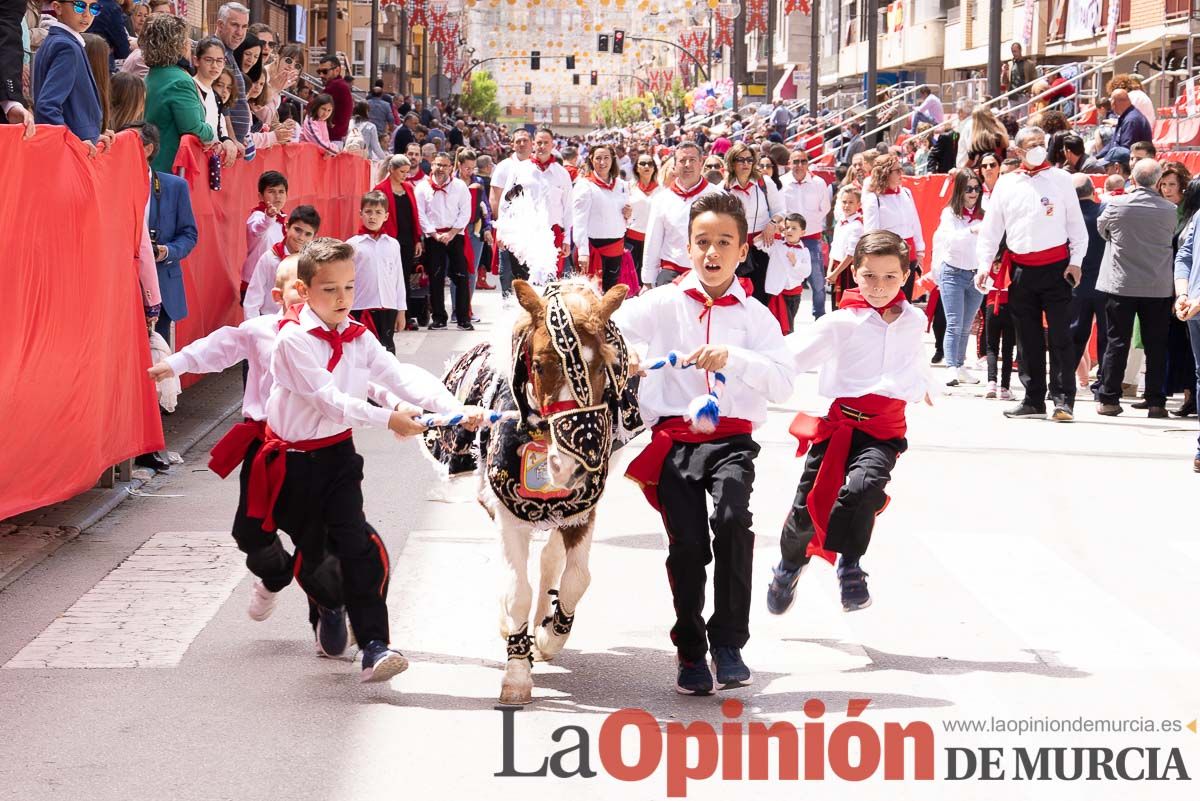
x: 1189, y: 158
x: 74, y: 396
x: 212, y: 273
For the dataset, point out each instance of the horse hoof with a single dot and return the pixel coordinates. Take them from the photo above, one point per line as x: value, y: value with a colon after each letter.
x: 513, y: 694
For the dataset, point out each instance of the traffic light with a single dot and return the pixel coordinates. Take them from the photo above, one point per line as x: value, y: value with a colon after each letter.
x: 595, y: 78
x: 575, y: 79
x: 603, y: 46
x: 570, y: 62
x: 618, y: 42
x: 528, y: 88
x: 535, y: 59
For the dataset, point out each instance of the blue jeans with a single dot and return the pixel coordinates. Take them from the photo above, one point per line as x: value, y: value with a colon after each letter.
x: 961, y: 300
x: 1194, y: 336
x: 506, y: 273
x: 918, y: 118
x: 816, y: 280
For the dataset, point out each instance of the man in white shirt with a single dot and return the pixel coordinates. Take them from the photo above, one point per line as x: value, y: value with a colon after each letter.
x: 444, y: 206
x: 665, y: 253
x: 929, y: 109
x: 807, y: 195
x: 522, y: 144
x: 1037, y: 209
x: 549, y: 185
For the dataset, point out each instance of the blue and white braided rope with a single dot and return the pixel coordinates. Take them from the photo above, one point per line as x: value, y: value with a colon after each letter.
x: 704, y: 411
x: 490, y: 418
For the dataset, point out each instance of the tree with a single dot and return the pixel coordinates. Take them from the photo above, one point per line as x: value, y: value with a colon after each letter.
x: 479, y: 96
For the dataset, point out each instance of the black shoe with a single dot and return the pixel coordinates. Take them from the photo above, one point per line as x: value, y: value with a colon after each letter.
x: 1142, y: 404
x: 380, y: 663
x: 730, y: 669
x: 467, y: 327
x: 1156, y: 412
x: 693, y: 678
x: 153, y: 460
x: 437, y: 326
x: 1025, y: 411
x: 853, y: 580
x: 333, y: 636
x: 1109, y: 409
x: 1186, y: 410
x: 782, y: 591
x: 938, y: 357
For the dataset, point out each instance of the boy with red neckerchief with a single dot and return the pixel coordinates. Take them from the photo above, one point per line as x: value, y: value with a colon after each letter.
x: 846, y: 233
x: 708, y: 315
x: 380, y: 296
x: 266, y: 224
x: 302, y: 225
x: 872, y: 362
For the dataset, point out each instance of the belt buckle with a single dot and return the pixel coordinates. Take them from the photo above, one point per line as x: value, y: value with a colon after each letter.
x: 854, y: 414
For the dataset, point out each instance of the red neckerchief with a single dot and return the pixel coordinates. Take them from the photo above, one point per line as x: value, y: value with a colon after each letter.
x: 708, y: 301
x: 596, y: 180
x: 647, y: 188
x: 895, y: 191
x: 437, y: 188
x: 362, y: 229
x: 797, y: 246
x: 278, y: 250
x: 1116, y: 192
x: 417, y: 176
x: 544, y: 165
x: 853, y: 299
x: 700, y: 186
x: 971, y: 215
x: 280, y: 218
x: 737, y: 187
x: 1035, y: 170
x: 855, y: 216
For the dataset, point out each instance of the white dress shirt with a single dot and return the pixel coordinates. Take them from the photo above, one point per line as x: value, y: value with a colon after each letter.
x: 500, y: 178
x: 251, y: 341
x: 860, y: 354
x: 447, y: 206
x: 1036, y: 212
x: 955, y: 241
x: 665, y: 319
x: 895, y: 212
x: 788, y: 266
x: 598, y: 213
x: 261, y: 233
x: 846, y: 233
x: 258, y: 300
x: 640, y: 200
x: 667, y: 230
x: 759, y: 201
x: 308, y: 401
x: 810, y: 198
x: 378, y: 275
x: 550, y: 188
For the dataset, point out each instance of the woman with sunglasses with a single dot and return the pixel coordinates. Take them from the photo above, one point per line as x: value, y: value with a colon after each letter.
x: 761, y: 201
x: 989, y: 173
x: 643, y: 187
x: 770, y: 170
x: 600, y: 208
x: 954, y: 262
x: 888, y: 206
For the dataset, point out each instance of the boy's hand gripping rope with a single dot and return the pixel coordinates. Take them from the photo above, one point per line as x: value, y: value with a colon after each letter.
x: 704, y: 411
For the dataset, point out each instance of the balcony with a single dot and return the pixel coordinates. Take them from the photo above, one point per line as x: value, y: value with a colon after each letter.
x: 908, y: 44
x: 1056, y: 32
x: 1182, y: 9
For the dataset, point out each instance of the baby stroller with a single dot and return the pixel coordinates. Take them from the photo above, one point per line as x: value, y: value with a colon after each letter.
x: 418, y: 297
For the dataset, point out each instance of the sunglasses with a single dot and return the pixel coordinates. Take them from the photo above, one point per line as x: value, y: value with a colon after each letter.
x: 798, y: 161
x: 972, y: 190
x: 743, y: 160
x: 80, y: 7
x: 990, y: 165
x: 645, y: 164
x: 324, y: 71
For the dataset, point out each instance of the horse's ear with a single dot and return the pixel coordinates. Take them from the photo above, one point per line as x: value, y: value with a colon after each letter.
x: 612, y: 301
x: 529, y: 299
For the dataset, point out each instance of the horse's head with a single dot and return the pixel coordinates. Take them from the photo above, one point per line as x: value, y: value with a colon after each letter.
x: 567, y: 352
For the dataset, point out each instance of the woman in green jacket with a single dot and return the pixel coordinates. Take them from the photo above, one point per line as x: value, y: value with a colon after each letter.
x: 172, y: 102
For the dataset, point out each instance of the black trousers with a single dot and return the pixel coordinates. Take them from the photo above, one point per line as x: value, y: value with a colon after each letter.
x: 636, y: 248
x: 384, y: 321
x: 914, y: 270
x: 939, y: 325
x: 1088, y: 305
x: 1034, y: 292
x: 321, y: 508
x: 1154, y: 314
x: 723, y: 469
x: 1001, y: 340
x: 852, y: 517
x: 755, y: 268
x: 448, y: 261
x: 610, y: 266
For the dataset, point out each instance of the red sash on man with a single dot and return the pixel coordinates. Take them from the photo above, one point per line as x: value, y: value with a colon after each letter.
x: 1042, y: 258
x: 646, y: 469
x: 874, y: 415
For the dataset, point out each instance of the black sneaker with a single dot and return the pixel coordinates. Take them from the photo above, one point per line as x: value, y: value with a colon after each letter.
x: 467, y: 327
x: 333, y: 636
x: 437, y: 326
x: 731, y: 670
x: 1023, y: 411
x: 694, y: 678
x: 380, y: 663
x: 938, y: 357
x: 782, y: 591
x: 853, y: 580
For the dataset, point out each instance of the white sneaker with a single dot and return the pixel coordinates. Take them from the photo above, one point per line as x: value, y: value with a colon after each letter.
x: 991, y: 390
x: 1007, y: 394
x: 965, y: 376
x: 262, y: 602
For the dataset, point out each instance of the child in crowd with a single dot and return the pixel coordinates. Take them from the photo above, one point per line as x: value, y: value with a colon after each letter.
x: 846, y: 233
x: 64, y: 86
x: 302, y: 225
x: 307, y: 476
x: 787, y: 270
x: 379, y: 291
x: 708, y: 315
x: 872, y: 361
x: 315, y: 129
x: 267, y: 222
x: 1114, y: 185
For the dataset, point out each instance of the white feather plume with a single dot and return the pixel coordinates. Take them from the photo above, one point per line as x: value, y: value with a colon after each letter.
x: 525, y: 231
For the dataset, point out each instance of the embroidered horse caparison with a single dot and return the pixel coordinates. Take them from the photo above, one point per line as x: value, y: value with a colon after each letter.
x: 547, y: 469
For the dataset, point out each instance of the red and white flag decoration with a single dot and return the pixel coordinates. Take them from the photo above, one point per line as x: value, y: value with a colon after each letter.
x: 417, y: 13
x: 792, y: 6
x: 756, y: 16
x: 724, y: 32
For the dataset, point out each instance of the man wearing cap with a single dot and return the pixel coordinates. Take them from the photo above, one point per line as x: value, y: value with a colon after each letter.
x: 1132, y: 125
x: 1116, y: 162
x: 1037, y: 209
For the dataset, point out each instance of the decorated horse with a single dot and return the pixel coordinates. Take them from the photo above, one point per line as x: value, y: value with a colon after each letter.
x: 545, y: 467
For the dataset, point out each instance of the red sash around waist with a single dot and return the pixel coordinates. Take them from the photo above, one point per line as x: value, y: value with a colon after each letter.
x: 229, y: 452
x: 636, y: 236
x: 610, y: 250
x: 675, y: 268
x: 267, y: 474
x: 777, y: 305
x: 1041, y: 258
x: 912, y: 248
x: 647, y: 467
x: 874, y: 415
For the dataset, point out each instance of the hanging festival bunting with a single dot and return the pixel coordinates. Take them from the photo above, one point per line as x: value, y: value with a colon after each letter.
x: 756, y: 16
x: 416, y: 13
x: 724, y: 32
x: 792, y: 6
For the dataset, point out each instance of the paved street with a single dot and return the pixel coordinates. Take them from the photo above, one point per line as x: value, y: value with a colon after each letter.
x: 1024, y: 570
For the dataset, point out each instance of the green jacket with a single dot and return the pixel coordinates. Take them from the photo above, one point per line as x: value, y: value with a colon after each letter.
x: 173, y: 104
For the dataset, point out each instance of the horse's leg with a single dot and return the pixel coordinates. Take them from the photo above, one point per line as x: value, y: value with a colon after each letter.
x: 517, y: 686
x: 553, y: 558
x: 552, y: 635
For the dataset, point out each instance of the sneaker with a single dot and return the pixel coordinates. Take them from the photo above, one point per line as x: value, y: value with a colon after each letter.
x: 380, y: 663
x: 333, y: 636
x: 694, y: 678
x: 730, y: 669
x: 965, y: 376
x: 853, y: 580
x: 938, y: 357
x: 262, y: 602
x: 1062, y: 414
x: 467, y: 327
x: 782, y: 591
x: 437, y: 326
x: 1109, y: 409
x: 953, y: 382
x: 1026, y: 412
x: 991, y: 390
x: 1006, y: 394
